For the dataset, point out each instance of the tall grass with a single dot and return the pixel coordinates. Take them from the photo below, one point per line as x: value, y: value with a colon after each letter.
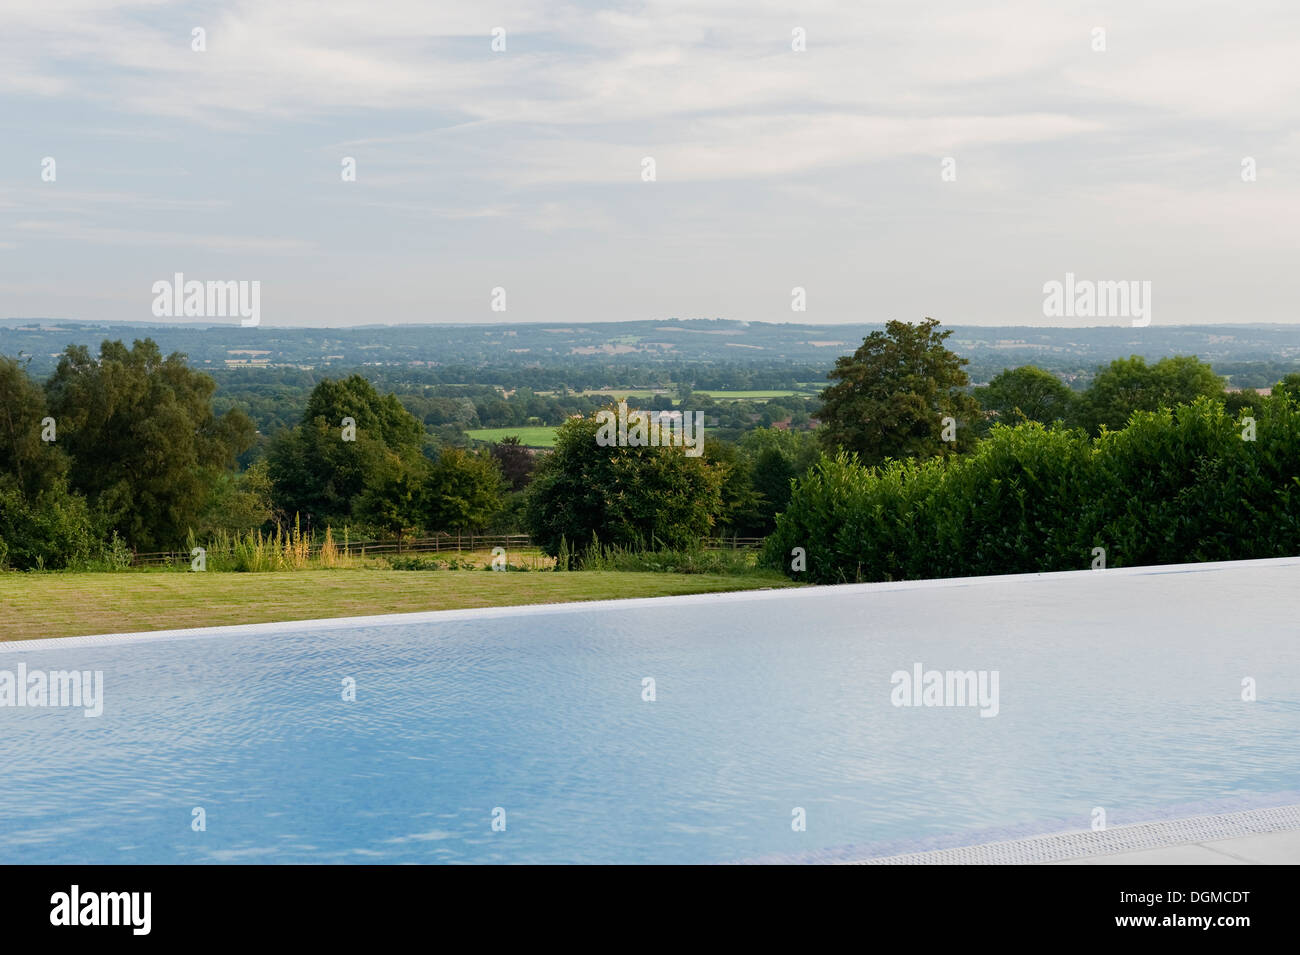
x: 671, y: 561
x: 282, y: 549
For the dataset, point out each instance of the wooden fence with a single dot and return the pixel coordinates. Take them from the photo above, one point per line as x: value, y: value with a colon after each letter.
x: 429, y: 545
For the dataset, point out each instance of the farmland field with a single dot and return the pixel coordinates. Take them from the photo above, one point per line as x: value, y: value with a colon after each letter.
x: 624, y: 392
x: 751, y: 395
x: 533, y: 437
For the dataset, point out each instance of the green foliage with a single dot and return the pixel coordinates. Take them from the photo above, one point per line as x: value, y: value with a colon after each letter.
x: 380, y: 416
x: 464, y: 491
x: 239, y: 502
x: 1009, y: 507
x: 669, y: 561
x: 1130, y: 384
x: 144, y: 443
x: 857, y: 523
x: 42, y: 525
x: 1175, y: 486
x: 252, y: 551
x: 515, y: 460
x: 1027, y: 394
x: 633, y: 497
x: 1181, y: 485
x: 893, y: 393
x: 1246, y: 401
x: 393, y: 502
x: 320, y: 470
x: 741, y: 513
x: 425, y: 562
x: 52, y: 530
x: 776, y: 458
x: 30, y: 463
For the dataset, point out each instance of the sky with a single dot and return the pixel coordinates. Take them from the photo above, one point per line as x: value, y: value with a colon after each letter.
x: 942, y: 159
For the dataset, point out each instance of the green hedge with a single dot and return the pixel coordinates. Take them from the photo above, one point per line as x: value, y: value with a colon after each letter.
x: 1174, y: 486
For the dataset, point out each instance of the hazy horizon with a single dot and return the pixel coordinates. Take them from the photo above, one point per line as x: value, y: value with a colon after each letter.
x: 212, y: 323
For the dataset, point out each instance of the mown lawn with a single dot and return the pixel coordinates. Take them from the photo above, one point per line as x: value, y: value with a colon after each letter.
x: 68, y: 604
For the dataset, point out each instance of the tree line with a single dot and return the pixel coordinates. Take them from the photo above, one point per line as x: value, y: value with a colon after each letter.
x: 130, y: 450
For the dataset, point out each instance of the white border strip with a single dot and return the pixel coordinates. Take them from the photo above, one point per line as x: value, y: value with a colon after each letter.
x: 1062, y: 846
x: 634, y: 603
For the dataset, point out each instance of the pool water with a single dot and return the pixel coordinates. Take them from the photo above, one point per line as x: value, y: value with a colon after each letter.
x: 1120, y: 690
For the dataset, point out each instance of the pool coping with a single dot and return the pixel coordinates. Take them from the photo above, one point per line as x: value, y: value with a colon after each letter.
x: 630, y: 603
x: 1098, y: 844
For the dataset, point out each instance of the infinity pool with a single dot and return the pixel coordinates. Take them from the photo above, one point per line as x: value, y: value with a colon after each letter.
x: 1119, y: 689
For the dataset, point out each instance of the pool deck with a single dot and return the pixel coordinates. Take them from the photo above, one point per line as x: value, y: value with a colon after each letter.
x: 1274, y: 848
x: 1265, y: 836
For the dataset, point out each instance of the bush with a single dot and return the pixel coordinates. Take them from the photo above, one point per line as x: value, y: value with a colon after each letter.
x: 1175, y: 486
x: 1182, y: 485
x: 1012, y: 506
x: 52, y: 531
x: 856, y: 523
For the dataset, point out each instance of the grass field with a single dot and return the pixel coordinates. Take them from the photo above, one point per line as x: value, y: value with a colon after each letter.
x: 624, y: 392
x: 537, y: 437
x: 752, y: 395
x: 68, y: 604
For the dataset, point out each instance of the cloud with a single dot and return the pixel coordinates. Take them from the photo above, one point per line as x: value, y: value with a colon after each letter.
x: 101, y: 235
x: 523, y: 162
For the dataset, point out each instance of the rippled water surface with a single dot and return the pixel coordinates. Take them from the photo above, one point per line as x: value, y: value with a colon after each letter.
x: 1118, y: 691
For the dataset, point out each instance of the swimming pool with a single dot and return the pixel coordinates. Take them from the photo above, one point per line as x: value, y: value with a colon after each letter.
x: 530, y: 735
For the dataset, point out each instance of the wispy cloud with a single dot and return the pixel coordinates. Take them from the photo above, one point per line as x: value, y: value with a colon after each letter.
x: 475, y: 165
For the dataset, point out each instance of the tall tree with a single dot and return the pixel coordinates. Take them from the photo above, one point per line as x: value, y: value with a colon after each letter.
x: 350, y: 438
x: 463, y: 491
x: 144, y: 442
x: 894, y: 393
x: 26, y: 460
x: 742, y: 506
x: 516, y: 462
x: 1129, y: 384
x: 777, y: 457
x: 1027, y: 393
x: 629, y: 496
x: 42, y: 525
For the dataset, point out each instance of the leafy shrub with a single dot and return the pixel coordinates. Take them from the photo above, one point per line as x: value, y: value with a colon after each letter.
x: 1175, y: 486
x: 857, y: 523
x: 51, y: 531
x: 1010, y: 507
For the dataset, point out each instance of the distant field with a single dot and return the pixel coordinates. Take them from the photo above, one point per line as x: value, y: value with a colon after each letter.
x: 543, y: 437
x: 67, y: 604
x: 642, y: 393
x: 613, y: 392
x: 751, y: 395
x: 624, y: 392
